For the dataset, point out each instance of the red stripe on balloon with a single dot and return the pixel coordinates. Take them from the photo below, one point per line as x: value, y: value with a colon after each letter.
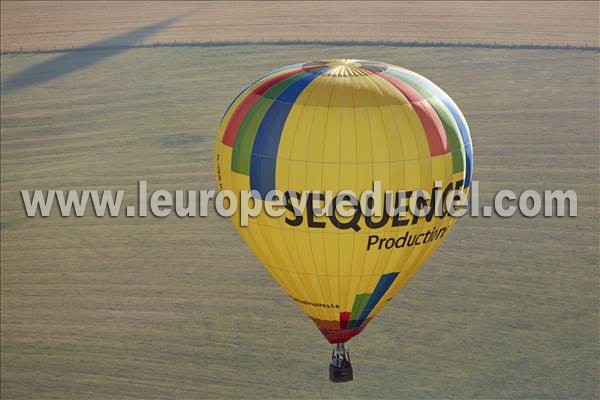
x: 240, y: 112
x: 344, y: 317
x: 434, y: 129
x: 334, y: 334
x: 311, y: 67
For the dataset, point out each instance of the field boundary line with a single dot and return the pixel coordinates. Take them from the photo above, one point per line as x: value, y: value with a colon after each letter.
x: 388, y: 43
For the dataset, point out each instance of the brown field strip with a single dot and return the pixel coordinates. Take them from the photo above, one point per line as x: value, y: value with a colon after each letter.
x: 48, y: 25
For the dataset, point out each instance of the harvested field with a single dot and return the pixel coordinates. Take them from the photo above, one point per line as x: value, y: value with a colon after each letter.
x: 178, y: 307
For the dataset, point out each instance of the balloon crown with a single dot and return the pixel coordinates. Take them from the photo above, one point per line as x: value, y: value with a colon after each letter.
x: 346, y: 67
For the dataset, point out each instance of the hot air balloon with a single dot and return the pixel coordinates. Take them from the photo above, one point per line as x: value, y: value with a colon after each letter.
x: 338, y: 125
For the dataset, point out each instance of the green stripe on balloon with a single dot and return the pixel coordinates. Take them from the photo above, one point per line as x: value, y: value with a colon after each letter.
x: 360, y: 301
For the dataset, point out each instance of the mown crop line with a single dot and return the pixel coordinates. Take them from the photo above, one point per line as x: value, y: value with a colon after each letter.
x: 299, y: 42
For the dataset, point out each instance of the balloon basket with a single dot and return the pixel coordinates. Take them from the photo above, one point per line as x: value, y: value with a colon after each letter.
x: 340, y: 368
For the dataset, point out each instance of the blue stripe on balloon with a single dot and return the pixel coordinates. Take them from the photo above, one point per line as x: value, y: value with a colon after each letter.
x: 264, y: 150
x: 469, y: 164
x: 382, y: 286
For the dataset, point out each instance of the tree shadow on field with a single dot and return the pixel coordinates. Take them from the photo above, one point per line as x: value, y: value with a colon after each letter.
x: 82, y: 57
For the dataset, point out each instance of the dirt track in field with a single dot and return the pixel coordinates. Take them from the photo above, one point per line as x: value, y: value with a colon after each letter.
x: 46, y: 25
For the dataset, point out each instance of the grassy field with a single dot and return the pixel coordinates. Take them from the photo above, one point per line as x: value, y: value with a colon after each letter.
x: 32, y: 25
x: 178, y: 308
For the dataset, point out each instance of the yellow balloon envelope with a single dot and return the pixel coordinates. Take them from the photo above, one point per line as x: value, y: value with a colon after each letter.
x: 341, y: 125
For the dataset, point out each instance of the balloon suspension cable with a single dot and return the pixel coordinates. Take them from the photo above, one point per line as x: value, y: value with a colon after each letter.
x: 340, y: 368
